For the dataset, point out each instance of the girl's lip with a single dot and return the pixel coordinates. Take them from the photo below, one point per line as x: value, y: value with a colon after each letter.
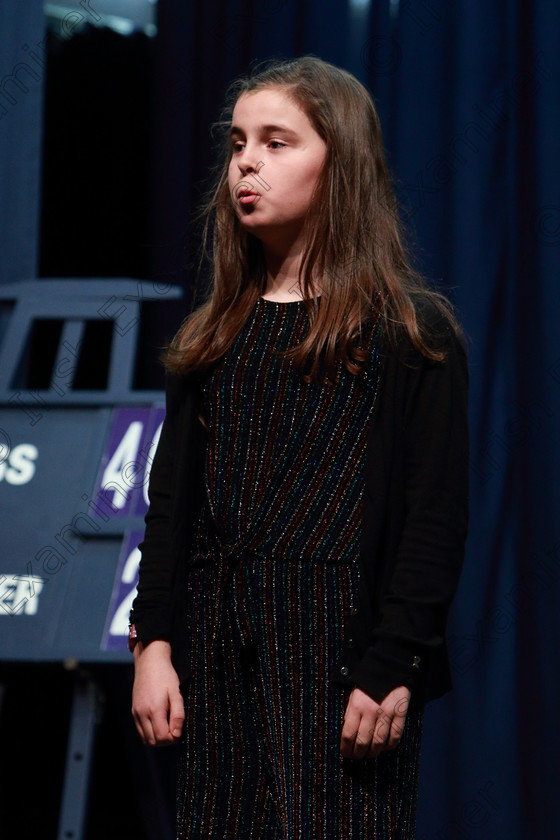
x: 247, y: 197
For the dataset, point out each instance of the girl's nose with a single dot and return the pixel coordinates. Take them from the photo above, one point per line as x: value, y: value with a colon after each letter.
x: 247, y: 162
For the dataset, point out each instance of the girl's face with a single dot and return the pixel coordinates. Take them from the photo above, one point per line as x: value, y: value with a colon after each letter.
x: 276, y: 161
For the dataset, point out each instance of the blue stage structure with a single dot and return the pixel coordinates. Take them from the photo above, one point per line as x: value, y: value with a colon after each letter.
x: 74, y: 469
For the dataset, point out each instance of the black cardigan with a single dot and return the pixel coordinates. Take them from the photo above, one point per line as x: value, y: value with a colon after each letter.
x: 415, y: 514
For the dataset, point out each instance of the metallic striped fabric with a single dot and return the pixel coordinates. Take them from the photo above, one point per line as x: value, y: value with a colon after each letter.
x: 275, y: 574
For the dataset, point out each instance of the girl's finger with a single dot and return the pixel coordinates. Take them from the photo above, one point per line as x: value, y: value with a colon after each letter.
x: 349, y: 731
x: 380, y: 735
x: 145, y: 730
x: 395, y: 734
x: 363, y: 741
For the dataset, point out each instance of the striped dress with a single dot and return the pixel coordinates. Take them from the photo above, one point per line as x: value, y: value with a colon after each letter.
x: 274, y: 576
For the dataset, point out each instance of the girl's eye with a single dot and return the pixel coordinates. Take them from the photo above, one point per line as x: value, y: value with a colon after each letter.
x: 238, y: 146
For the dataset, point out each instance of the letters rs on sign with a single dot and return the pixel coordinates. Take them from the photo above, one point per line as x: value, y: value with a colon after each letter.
x: 17, y: 464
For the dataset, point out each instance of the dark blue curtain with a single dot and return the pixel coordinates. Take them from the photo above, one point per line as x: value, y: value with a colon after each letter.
x: 471, y: 109
x: 22, y: 71
x: 469, y: 97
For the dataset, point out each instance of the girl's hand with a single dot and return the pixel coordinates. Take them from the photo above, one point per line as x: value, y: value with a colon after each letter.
x: 157, y: 703
x: 370, y: 727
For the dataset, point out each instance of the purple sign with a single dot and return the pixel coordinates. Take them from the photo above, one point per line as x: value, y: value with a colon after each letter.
x: 121, y: 488
x: 115, y: 635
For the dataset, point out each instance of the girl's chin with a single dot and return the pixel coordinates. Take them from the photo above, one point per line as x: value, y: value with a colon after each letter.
x: 271, y: 235
x: 252, y: 224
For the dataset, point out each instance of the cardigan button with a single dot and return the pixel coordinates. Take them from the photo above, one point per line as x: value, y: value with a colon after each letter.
x: 416, y: 662
x: 350, y: 643
x: 344, y: 671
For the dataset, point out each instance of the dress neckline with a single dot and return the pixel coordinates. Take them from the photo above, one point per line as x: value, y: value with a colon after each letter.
x: 287, y: 302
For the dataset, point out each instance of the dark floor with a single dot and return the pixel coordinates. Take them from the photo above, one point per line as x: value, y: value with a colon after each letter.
x: 131, y: 792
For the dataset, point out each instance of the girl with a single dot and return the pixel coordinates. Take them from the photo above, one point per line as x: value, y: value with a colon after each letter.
x: 308, y: 498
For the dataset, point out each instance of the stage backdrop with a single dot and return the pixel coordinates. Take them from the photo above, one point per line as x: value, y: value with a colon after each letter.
x: 470, y: 104
x: 469, y: 97
x: 471, y: 109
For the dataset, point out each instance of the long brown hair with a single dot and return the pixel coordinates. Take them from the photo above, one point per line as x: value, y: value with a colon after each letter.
x: 353, y: 234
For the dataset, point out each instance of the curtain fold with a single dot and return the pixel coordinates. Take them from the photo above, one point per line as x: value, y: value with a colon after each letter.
x: 472, y: 108
x: 22, y: 73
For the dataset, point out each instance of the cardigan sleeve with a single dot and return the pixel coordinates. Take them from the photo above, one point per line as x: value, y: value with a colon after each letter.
x: 426, y: 566
x: 151, y: 609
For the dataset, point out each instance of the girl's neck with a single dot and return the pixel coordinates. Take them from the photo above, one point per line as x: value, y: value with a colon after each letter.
x: 282, y: 276
x: 283, y: 290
